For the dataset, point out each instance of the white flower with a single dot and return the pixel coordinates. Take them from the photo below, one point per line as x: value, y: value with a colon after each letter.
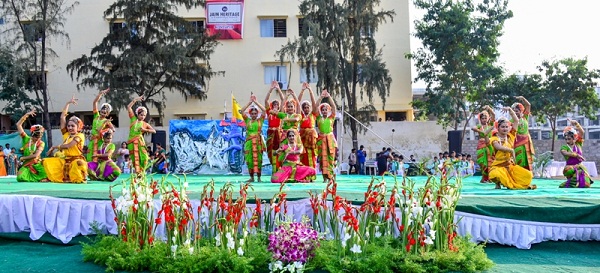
x: 185, y: 185
x: 230, y: 243
x: 173, y: 248
x: 187, y: 243
x: 241, y: 241
x: 218, y: 241
x: 432, y: 234
x: 240, y: 251
x: 191, y: 250
x: 175, y: 232
x: 173, y: 239
x: 428, y: 241
x: 355, y: 249
x: 290, y: 268
x: 377, y: 234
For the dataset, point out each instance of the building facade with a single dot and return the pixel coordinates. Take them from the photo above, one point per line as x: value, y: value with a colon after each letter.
x: 249, y: 63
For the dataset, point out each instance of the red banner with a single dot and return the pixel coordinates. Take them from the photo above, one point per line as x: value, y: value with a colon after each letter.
x: 225, y: 18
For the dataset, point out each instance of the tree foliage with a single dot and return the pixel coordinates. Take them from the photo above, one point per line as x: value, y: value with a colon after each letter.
x: 564, y: 86
x: 459, y: 55
x: 337, y: 43
x: 150, y: 50
x: 13, y: 86
x: 33, y: 25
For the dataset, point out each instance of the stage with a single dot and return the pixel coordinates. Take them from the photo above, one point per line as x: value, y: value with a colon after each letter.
x: 516, y: 218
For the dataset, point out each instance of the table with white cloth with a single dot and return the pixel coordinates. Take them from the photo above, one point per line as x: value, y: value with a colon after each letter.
x: 556, y: 168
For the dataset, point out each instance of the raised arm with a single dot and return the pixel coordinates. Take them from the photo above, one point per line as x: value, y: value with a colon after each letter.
x: 22, y: 120
x: 306, y: 86
x: 97, y: 99
x: 130, y: 106
x: 269, y: 93
x: 526, y: 104
x: 293, y: 95
x: 513, y: 115
x: 578, y: 127
x: 331, y: 103
x: 65, y: 111
x: 492, y: 114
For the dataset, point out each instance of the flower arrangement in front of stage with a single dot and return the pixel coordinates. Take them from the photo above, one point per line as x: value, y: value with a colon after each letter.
x: 391, y: 230
x: 177, y: 213
x: 134, y: 210
x: 292, y: 245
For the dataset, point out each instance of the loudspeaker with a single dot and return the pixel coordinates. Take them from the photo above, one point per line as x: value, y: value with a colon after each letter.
x: 161, y: 138
x: 455, y: 141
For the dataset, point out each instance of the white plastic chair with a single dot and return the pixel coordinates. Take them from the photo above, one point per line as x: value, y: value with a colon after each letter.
x: 344, y: 168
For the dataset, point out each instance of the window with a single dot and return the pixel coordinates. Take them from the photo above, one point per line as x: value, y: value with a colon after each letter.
x: 32, y: 32
x: 594, y: 135
x: 195, y: 26
x: 395, y: 116
x: 119, y: 27
x: 594, y: 122
x: 1, y: 21
x: 546, y: 135
x: 276, y: 73
x: 155, y: 121
x: 302, y: 28
x: 313, y: 75
x: 561, y: 123
x: 273, y: 28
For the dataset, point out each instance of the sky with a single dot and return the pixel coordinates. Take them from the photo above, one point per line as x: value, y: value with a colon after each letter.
x: 543, y: 30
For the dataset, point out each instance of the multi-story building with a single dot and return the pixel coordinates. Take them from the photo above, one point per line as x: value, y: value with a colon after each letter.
x: 249, y: 63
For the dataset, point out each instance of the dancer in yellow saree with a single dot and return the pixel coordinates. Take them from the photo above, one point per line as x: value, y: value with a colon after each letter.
x: 68, y: 163
x: 504, y: 171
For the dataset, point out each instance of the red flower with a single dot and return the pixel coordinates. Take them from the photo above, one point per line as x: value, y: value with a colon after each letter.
x: 158, y: 220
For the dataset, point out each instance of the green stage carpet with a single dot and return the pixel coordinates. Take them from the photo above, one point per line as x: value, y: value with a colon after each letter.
x: 546, y: 204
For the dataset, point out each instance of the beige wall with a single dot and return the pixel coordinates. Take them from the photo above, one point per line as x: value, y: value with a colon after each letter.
x: 240, y: 59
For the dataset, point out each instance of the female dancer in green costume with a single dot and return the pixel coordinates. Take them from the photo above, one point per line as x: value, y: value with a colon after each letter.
x: 523, y: 145
x: 32, y: 169
x: 100, y: 125
x: 254, y: 145
x: 136, y: 143
x: 326, y: 143
x: 485, y: 150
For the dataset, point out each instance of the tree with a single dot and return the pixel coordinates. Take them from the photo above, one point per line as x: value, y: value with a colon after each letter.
x: 337, y: 43
x: 568, y: 83
x: 458, y: 57
x: 13, y: 87
x: 35, y: 24
x: 149, y: 50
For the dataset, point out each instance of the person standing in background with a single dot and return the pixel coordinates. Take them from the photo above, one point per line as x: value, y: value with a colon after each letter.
x: 352, y: 161
x: 361, y: 155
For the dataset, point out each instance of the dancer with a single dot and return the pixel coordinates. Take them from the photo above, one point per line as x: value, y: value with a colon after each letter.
x: 308, y: 133
x: 485, y: 150
x: 274, y: 132
x: 576, y: 174
x: 291, y: 117
x: 136, y: 143
x: 326, y: 143
x: 254, y: 146
x: 292, y: 169
x: 104, y: 168
x: 3, y: 157
x: 523, y: 145
x: 100, y: 124
x: 32, y: 169
x: 504, y: 170
x: 68, y: 164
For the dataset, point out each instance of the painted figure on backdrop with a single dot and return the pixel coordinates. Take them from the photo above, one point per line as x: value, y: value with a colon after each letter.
x: 68, y: 162
x: 100, y: 124
x: 104, y: 168
x: 32, y: 147
x: 308, y: 132
x: 485, y: 150
x: 292, y: 169
x: 274, y: 132
x: 504, y: 171
x: 524, y: 150
x: 136, y: 143
x: 254, y: 146
x: 326, y: 143
x: 576, y: 174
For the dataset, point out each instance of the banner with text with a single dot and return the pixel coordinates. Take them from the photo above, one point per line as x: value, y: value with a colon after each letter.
x: 225, y: 18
